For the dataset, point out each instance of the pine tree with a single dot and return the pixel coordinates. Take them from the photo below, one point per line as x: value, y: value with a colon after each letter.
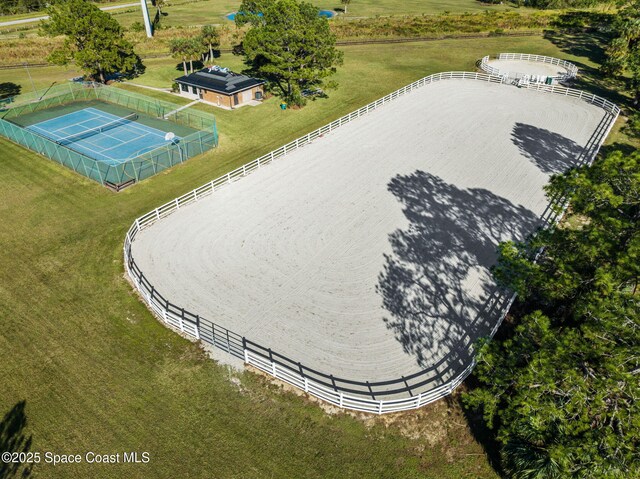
x: 561, y: 390
x: 290, y: 46
x: 94, y: 40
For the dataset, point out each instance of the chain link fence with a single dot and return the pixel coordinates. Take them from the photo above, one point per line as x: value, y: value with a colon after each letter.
x: 201, y: 127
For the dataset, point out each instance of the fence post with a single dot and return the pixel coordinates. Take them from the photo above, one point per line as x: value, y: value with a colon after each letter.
x: 273, y: 365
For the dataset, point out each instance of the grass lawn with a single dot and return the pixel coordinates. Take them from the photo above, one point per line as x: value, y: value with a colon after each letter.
x: 39, y: 77
x: 443, y: 55
x: 99, y: 373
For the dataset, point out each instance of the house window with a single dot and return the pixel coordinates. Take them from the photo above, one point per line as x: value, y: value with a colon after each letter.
x: 194, y: 90
x: 184, y: 87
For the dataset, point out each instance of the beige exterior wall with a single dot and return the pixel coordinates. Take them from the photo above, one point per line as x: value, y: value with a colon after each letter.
x: 227, y: 101
x: 219, y: 99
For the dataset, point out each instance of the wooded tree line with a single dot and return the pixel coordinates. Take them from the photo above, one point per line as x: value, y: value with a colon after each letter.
x: 560, y: 384
x: 560, y: 389
x: 623, y: 52
x: 554, y: 4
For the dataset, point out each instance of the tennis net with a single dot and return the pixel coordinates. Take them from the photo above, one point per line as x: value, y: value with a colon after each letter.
x: 94, y: 131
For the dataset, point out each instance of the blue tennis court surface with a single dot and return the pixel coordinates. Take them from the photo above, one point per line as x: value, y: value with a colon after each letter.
x: 121, y: 139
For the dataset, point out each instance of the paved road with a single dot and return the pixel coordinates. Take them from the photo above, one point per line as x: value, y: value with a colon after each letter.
x: 37, y: 19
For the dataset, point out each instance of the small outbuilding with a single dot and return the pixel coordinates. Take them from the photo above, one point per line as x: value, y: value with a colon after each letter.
x: 221, y: 87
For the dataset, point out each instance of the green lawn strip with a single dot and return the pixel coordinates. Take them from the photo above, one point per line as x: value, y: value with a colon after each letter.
x: 42, y: 77
x: 159, y: 95
x: 99, y: 373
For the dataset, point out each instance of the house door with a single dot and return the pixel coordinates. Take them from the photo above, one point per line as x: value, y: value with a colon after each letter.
x: 235, y: 99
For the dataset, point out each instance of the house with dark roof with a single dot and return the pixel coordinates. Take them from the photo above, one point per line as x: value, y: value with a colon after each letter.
x: 221, y: 87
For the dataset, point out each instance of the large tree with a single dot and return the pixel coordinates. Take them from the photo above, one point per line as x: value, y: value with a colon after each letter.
x: 94, y: 40
x: 561, y: 390
x: 290, y: 46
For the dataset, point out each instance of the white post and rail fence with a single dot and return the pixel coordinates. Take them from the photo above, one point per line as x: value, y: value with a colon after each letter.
x: 380, y: 397
x: 571, y: 69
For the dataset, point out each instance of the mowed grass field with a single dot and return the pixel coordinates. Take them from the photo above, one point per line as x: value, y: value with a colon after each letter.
x: 213, y: 11
x: 98, y: 373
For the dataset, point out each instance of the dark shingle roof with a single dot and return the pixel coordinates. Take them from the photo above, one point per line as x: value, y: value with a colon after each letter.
x: 219, y: 81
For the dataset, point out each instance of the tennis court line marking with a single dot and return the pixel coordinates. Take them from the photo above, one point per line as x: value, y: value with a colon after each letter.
x: 75, y: 123
x: 94, y: 150
x: 146, y: 130
x: 133, y: 124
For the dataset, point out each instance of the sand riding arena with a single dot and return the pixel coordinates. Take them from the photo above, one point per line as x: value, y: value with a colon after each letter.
x: 354, y: 262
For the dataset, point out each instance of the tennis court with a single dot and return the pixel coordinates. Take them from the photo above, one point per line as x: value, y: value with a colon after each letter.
x: 113, y: 136
x: 102, y: 136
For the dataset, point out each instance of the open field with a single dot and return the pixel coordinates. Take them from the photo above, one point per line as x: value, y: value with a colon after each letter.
x: 316, y: 257
x: 37, y: 79
x: 460, y: 54
x: 98, y: 373
x: 464, y: 52
x: 213, y: 11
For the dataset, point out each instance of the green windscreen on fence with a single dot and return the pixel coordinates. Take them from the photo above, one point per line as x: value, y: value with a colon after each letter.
x: 196, y: 129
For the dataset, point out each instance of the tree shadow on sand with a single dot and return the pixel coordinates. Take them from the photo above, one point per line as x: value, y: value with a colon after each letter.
x: 549, y: 151
x: 14, y: 440
x: 444, y: 253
